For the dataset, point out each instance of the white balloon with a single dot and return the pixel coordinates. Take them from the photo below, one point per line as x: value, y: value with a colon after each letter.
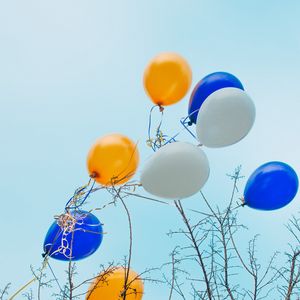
x: 177, y: 170
x: 225, y: 117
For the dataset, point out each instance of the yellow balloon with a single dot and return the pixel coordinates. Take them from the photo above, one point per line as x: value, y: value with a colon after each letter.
x: 167, y: 78
x: 113, y: 159
x: 111, y: 286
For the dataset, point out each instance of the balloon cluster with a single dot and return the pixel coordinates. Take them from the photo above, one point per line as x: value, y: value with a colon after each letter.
x: 77, y: 234
x: 223, y: 114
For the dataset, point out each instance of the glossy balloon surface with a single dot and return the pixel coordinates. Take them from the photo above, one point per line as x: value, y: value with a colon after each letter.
x: 83, y: 241
x: 113, y: 159
x: 225, y: 118
x: 111, y: 286
x: 208, y: 85
x: 177, y: 170
x: 167, y: 78
x: 272, y: 186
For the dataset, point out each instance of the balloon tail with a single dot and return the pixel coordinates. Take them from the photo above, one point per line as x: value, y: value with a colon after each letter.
x: 161, y: 108
x: 243, y: 201
x: 159, y: 138
x: 186, y: 123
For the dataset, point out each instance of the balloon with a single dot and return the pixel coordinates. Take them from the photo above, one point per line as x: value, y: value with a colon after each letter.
x: 110, y: 286
x: 79, y: 237
x: 167, y: 78
x: 113, y: 159
x: 271, y: 186
x: 207, y: 86
x: 225, y: 117
x: 177, y: 170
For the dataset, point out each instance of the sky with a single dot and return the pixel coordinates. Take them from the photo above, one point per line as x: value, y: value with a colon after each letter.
x: 71, y: 71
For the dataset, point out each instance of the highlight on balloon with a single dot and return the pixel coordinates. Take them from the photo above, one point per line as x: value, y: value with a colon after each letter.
x: 167, y: 78
x: 113, y: 160
x: 73, y: 236
x: 208, y: 85
x: 176, y: 171
x: 271, y: 186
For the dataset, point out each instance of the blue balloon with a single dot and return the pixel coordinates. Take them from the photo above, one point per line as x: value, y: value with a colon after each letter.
x: 83, y: 235
x: 208, y: 85
x: 271, y: 186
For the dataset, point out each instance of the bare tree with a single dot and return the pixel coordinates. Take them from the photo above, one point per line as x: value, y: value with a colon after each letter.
x: 290, y: 273
x: 212, y: 247
x: 208, y: 267
x: 4, y: 291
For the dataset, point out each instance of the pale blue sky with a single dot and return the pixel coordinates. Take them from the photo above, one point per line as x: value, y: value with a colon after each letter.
x: 71, y: 71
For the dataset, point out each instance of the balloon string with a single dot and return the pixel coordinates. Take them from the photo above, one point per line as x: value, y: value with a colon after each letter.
x: 186, y: 127
x: 144, y: 197
x: 129, y: 174
x: 162, y: 139
x: 69, y: 205
x: 173, y: 138
x: 158, y: 141
x: 55, y: 278
x: 167, y: 203
x: 86, y: 196
x: 73, y: 201
x: 186, y: 124
x: 76, y: 193
x: 22, y: 288
x: 29, y: 282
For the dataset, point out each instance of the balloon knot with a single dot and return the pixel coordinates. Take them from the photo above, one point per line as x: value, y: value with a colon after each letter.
x: 243, y: 201
x: 161, y: 108
x: 44, y: 254
x: 94, y: 175
x: 190, y: 123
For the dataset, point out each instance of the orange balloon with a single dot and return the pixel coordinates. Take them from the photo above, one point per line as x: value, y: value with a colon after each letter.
x: 113, y: 159
x: 111, y: 286
x: 167, y: 78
